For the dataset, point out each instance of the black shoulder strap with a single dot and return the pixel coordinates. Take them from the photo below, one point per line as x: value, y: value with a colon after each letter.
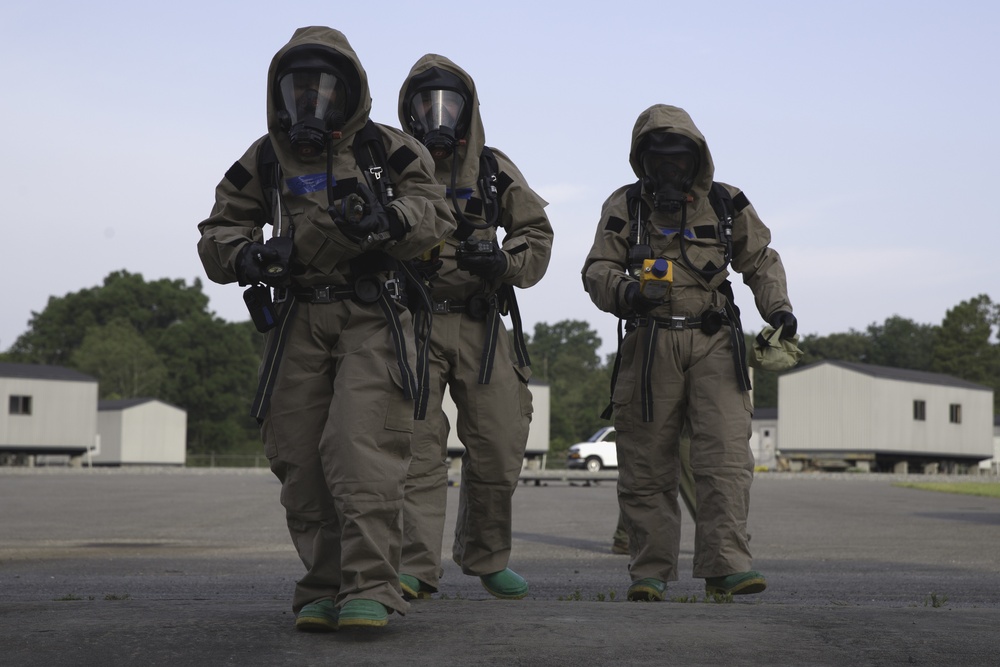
x: 269, y: 172
x: 721, y: 201
x: 490, y: 187
x: 369, y: 151
x: 633, y: 200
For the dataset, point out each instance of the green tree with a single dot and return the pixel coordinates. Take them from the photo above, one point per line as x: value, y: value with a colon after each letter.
x: 125, y: 365
x: 213, y: 375
x: 564, y: 355
x: 965, y: 345
x: 901, y: 343
x: 850, y: 346
x: 210, y: 364
x: 150, y: 307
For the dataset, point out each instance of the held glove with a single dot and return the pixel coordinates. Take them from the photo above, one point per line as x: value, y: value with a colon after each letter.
x: 786, y: 321
x: 251, y: 263
x: 636, y: 301
x: 488, y: 266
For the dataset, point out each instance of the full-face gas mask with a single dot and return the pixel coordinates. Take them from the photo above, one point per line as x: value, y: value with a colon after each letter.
x: 438, y: 105
x: 670, y: 163
x: 315, y: 96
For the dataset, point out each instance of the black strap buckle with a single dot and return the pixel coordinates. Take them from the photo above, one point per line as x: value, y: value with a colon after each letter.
x: 321, y: 295
x: 675, y: 323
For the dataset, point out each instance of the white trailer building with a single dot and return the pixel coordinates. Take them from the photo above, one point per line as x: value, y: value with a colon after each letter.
x: 842, y: 414
x: 47, y: 410
x: 538, y: 435
x: 140, y: 431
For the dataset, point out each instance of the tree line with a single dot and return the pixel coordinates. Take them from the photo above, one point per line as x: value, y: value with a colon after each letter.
x: 158, y: 339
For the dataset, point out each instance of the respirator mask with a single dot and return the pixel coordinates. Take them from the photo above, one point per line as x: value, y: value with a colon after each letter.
x: 314, y: 98
x: 438, y: 106
x: 670, y: 163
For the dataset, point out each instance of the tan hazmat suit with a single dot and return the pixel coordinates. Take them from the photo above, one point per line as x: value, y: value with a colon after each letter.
x: 672, y: 371
x: 337, y: 432
x: 493, y: 417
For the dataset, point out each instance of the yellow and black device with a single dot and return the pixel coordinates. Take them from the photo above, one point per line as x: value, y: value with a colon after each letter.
x: 656, y: 278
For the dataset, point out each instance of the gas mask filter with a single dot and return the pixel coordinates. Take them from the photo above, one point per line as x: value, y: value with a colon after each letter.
x: 670, y: 163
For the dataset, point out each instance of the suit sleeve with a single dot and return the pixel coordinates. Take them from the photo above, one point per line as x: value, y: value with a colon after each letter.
x: 528, y: 233
x: 605, y: 273
x: 759, y: 264
x: 236, y: 218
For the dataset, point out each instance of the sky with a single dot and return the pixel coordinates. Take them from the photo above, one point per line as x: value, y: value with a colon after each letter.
x: 864, y: 133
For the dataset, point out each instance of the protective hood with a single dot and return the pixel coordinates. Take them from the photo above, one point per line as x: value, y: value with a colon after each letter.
x: 474, y: 138
x: 664, y: 118
x: 307, y: 45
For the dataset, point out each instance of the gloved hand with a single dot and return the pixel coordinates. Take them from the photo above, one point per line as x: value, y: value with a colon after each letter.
x: 252, y: 261
x: 636, y: 301
x: 364, y: 220
x: 784, y: 319
x: 427, y: 268
x: 486, y: 266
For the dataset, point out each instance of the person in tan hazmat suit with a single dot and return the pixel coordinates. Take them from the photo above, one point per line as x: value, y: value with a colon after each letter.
x: 472, y: 279
x: 337, y: 393
x: 660, y: 262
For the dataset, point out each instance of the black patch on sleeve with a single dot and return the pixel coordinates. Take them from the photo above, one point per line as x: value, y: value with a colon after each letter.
x: 399, y: 160
x: 503, y: 182
x: 474, y: 206
x: 239, y: 176
x: 615, y: 225
x: 347, y: 186
x: 518, y: 249
x: 704, y: 232
x: 740, y: 201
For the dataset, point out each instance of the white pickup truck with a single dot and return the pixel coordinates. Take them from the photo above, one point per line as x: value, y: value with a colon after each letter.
x: 597, y: 453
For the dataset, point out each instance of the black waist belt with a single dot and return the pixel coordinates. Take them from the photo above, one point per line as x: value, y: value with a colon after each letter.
x: 489, y: 308
x: 366, y: 289
x: 710, y: 322
x: 448, y: 306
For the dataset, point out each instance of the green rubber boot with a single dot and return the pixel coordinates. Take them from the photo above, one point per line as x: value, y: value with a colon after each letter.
x: 413, y: 588
x: 505, y: 584
x: 363, y: 614
x: 647, y: 590
x: 318, y: 616
x: 741, y: 583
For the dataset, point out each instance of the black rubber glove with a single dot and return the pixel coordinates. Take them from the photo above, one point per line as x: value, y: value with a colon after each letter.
x: 488, y: 266
x: 784, y: 319
x: 365, y: 221
x: 252, y: 261
x: 427, y: 268
x: 636, y: 301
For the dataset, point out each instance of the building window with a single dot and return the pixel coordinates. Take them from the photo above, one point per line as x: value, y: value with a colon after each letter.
x: 919, y: 411
x: 20, y: 405
x: 955, y: 413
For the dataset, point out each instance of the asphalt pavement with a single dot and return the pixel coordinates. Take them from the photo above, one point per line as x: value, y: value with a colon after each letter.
x: 195, y: 567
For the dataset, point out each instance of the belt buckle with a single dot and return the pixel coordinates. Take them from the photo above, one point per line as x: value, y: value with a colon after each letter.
x: 441, y: 307
x: 392, y: 288
x: 677, y: 322
x: 321, y: 294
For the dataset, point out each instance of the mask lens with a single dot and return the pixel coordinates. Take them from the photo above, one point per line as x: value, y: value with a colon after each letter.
x: 311, y: 94
x: 438, y: 109
x: 669, y: 170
